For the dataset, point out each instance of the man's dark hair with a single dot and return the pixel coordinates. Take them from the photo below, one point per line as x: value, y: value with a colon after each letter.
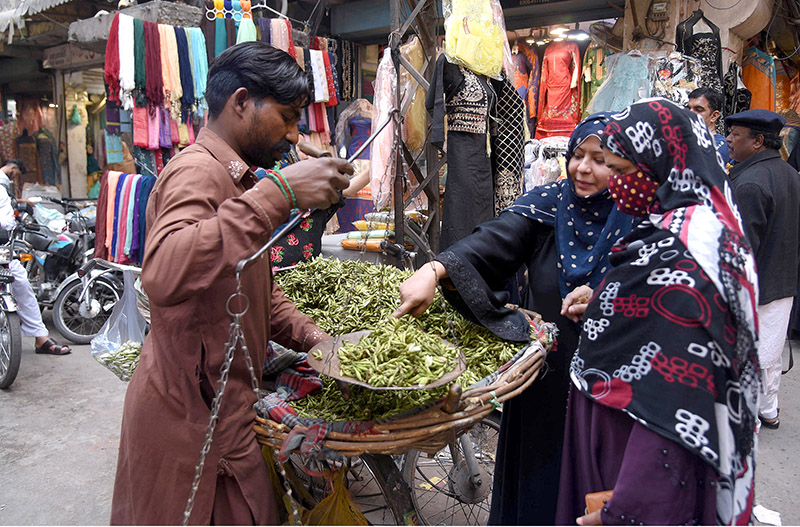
x: 772, y: 140
x: 714, y: 98
x: 265, y: 72
x: 19, y: 164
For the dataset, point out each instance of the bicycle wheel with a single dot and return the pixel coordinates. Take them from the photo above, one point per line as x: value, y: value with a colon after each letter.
x: 375, y: 483
x: 10, y: 348
x: 442, y: 488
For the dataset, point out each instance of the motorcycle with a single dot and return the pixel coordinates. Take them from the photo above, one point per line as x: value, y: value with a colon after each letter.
x: 10, y: 335
x: 84, y: 301
x: 57, y: 255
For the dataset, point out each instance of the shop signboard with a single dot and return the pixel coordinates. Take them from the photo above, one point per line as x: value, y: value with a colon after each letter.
x: 67, y: 56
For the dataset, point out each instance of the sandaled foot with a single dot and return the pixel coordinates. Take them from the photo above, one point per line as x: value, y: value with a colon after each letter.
x: 50, y: 347
x: 772, y: 424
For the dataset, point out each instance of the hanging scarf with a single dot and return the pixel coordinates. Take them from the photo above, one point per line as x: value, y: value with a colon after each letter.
x: 111, y: 65
x: 126, y: 61
x: 144, y: 196
x: 331, y: 85
x: 320, y: 79
x: 130, y: 214
x: 309, y: 72
x: 585, y: 227
x: 670, y: 337
x: 152, y: 62
x: 247, y: 31
x: 220, y: 36
x: 139, y: 79
x: 277, y: 32
x: 289, y: 40
x: 164, y: 135
x: 140, y: 127
x: 207, y: 29
x: 185, y: 70
x: 263, y: 27
x: 199, y: 67
x: 170, y: 55
x: 153, y: 127
x: 230, y: 32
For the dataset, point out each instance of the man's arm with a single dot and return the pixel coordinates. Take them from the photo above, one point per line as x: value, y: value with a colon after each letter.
x: 754, y: 207
x: 195, y: 240
x: 6, y: 210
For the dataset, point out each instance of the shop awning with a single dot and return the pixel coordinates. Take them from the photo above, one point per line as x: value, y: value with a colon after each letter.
x: 13, y: 13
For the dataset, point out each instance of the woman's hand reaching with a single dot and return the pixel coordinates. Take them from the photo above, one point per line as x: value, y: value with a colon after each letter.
x: 574, y: 304
x: 416, y: 293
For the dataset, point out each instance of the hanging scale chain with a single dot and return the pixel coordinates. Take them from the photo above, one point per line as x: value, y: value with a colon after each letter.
x: 235, y: 339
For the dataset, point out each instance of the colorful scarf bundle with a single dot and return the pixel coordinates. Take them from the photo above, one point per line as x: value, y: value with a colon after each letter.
x: 111, y: 66
x: 154, y: 84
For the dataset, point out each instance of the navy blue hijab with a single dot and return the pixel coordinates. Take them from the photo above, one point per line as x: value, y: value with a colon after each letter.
x: 586, y: 228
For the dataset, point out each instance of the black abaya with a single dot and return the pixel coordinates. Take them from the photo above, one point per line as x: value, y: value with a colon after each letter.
x: 531, y: 434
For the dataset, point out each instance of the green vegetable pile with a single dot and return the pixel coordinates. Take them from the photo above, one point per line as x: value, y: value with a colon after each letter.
x: 347, y: 296
x: 123, y: 360
x: 399, y: 353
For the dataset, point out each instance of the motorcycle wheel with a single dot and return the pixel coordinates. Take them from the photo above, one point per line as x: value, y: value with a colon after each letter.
x: 10, y: 348
x: 67, y: 316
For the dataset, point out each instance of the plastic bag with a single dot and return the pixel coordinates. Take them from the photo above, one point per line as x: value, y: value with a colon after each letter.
x: 414, y: 123
x: 337, y: 508
x: 119, y: 343
x: 472, y: 37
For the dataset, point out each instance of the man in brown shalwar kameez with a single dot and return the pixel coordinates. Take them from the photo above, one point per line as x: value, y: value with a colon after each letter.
x: 205, y: 214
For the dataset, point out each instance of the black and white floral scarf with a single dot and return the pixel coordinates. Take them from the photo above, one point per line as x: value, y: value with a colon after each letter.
x: 670, y: 335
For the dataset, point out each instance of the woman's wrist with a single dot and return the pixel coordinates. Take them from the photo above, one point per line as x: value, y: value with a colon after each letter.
x: 438, y: 269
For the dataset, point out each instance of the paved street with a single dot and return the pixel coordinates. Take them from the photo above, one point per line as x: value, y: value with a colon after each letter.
x: 60, y: 431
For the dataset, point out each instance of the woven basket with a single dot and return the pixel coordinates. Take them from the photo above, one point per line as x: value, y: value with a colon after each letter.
x: 431, y: 429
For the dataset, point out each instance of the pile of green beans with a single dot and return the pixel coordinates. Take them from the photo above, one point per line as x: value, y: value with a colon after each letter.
x: 399, y: 353
x: 123, y: 360
x: 348, y: 296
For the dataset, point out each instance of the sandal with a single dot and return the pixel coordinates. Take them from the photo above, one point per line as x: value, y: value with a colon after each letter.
x: 772, y: 424
x: 50, y: 347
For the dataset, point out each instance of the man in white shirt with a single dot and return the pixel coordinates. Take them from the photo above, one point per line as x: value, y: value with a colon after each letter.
x: 30, y: 317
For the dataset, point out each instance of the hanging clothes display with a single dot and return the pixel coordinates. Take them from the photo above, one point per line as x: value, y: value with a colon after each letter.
x: 48, y: 156
x: 526, y: 81
x: 593, y: 73
x: 484, y: 161
x: 676, y: 76
x: 705, y: 47
x: 559, y: 96
x: 508, y: 139
x: 627, y: 81
x: 758, y: 74
x: 783, y: 88
x: 737, y: 96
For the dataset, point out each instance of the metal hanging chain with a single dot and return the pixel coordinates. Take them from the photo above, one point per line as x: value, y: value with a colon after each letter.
x: 236, y: 338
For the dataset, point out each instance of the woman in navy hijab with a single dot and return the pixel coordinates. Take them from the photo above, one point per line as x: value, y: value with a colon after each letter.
x: 560, y: 234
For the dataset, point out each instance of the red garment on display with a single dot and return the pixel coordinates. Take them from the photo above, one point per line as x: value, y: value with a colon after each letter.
x: 559, y: 103
x: 332, y: 100
x: 111, y: 67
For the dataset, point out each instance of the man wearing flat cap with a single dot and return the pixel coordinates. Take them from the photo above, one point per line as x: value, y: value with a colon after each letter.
x: 767, y: 190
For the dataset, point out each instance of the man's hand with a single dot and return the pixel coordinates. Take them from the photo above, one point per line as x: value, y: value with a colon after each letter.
x: 574, y: 304
x: 416, y: 293
x: 316, y: 182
